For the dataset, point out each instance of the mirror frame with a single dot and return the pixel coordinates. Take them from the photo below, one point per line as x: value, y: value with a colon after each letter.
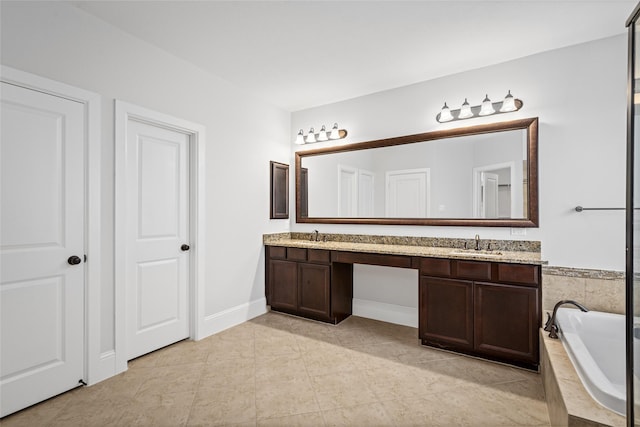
x: 530, y: 125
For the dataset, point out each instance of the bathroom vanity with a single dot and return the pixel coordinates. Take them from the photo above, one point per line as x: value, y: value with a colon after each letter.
x: 483, y: 303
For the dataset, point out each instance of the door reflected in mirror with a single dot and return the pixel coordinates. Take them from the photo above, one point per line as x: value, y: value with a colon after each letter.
x: 481, y: 175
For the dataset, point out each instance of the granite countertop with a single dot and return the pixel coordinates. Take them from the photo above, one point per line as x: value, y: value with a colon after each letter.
x: 515, y: 252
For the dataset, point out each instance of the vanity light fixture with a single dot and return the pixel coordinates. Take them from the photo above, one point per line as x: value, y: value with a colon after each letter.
x: 311, y: 137
x: 508, y: 104
x: 445, y: 114
x: 323, y: 135
x: 487, y: 108
x: 335, y: 132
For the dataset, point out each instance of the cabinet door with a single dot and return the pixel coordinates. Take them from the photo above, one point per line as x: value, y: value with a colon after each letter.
x: 506, y: 321
x: 446, y: 312
x: 283, y: 284
x: 314, y: 295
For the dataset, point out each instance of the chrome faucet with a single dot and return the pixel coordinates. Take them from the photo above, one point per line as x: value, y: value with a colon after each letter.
x: 477, y: 242
x: 551, y: 326
x: 314, y: 236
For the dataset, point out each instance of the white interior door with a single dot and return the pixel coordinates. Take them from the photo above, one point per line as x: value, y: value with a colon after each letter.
x: 407, y: 193
x: 489, y: 194
x: 157, y: 227
x: 365, y: 193
x: 42, y: 226
x: 347, y: 191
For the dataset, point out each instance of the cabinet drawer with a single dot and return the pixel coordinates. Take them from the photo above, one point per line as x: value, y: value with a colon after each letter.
x: 318, y: 255
x: 277, y: 252
x: 434, y: 267
x: 519, y: 273
x: 473, y: 270
x: 372, y: 259
x: 296, y: 254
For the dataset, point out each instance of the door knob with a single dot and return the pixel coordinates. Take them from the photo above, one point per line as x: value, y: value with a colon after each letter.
x: 184, y: 247
x: 74, y: 260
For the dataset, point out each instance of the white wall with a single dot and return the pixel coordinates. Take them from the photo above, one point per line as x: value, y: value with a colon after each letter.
x: 579, y: 94
x: 62, y: 43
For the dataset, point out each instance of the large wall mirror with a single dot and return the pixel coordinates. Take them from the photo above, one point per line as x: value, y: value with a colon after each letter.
x: 484, y: 175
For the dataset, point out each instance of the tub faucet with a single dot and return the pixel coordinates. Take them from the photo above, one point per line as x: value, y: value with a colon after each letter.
x: 551, y: 326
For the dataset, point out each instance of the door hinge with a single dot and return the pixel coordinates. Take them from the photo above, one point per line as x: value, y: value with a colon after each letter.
x: 85, y: 257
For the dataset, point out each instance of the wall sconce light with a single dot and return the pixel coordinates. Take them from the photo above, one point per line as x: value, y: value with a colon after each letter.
x: 323, y: 135
x: 487, y: 108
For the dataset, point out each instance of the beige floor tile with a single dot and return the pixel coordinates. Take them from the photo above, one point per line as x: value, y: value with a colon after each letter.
x: 362, y: 415
x: 171, y: 381
x: 37, y: 415
x: 358, y: 337
x: 407, y: 383
x: 476, y: 371
x: 343, y: 390
x: 228, y: 372
x: 279, y: 370
x: 426, y: 411
x: 284, y: 398
x: 183, y: 353
x: 223, y: 406
x: 523, y: 402
x: 313, y: 419
x: 244, y: 331
x: 283, y: 367
x: 271, y: 346
x: 474, y: 407
x: 274, y: 321
x: 329, y: 362
x: 308, y: 344
x: 360, y: 322
x: 230, y: 349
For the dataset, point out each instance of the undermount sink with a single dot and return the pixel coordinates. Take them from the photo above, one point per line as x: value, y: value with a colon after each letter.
x: 472, y: 252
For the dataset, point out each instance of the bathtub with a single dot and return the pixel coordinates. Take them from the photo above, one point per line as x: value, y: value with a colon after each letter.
x: 595, y: 342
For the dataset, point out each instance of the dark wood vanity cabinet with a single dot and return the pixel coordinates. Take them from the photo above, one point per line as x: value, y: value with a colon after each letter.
x: 481, y: 308
x: 506, y: 321
x: 299, y: 281
x: 283, y: 284
x: 446, y: 311
x: 314, y: 290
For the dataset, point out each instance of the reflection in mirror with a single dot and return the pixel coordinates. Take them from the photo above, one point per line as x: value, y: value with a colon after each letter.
x: 480, y: 175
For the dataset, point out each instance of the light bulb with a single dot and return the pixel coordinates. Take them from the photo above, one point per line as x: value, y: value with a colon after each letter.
x: 311, y: 136
x: 465, y: 110
x: 487, y: 107
x: 509, y: 103
x: 445, y: 114
x: 335, y: 132
x: 300, y: 138
x: 322, y: 136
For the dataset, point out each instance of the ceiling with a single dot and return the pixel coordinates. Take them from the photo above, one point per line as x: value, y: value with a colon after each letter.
x: 301, y: 54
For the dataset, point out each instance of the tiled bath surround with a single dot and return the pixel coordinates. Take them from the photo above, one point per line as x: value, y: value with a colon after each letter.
x: 598, y: 290
x: 568, y: 402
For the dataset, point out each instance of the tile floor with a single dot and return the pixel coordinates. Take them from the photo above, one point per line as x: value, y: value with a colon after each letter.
x: 279, y: 370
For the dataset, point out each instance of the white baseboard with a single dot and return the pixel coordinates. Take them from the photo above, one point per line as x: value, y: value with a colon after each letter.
x: 231, y: 317
x: 392, y: 313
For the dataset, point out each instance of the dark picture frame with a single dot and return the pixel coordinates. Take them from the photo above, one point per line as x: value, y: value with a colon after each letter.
x: 279, y: 190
